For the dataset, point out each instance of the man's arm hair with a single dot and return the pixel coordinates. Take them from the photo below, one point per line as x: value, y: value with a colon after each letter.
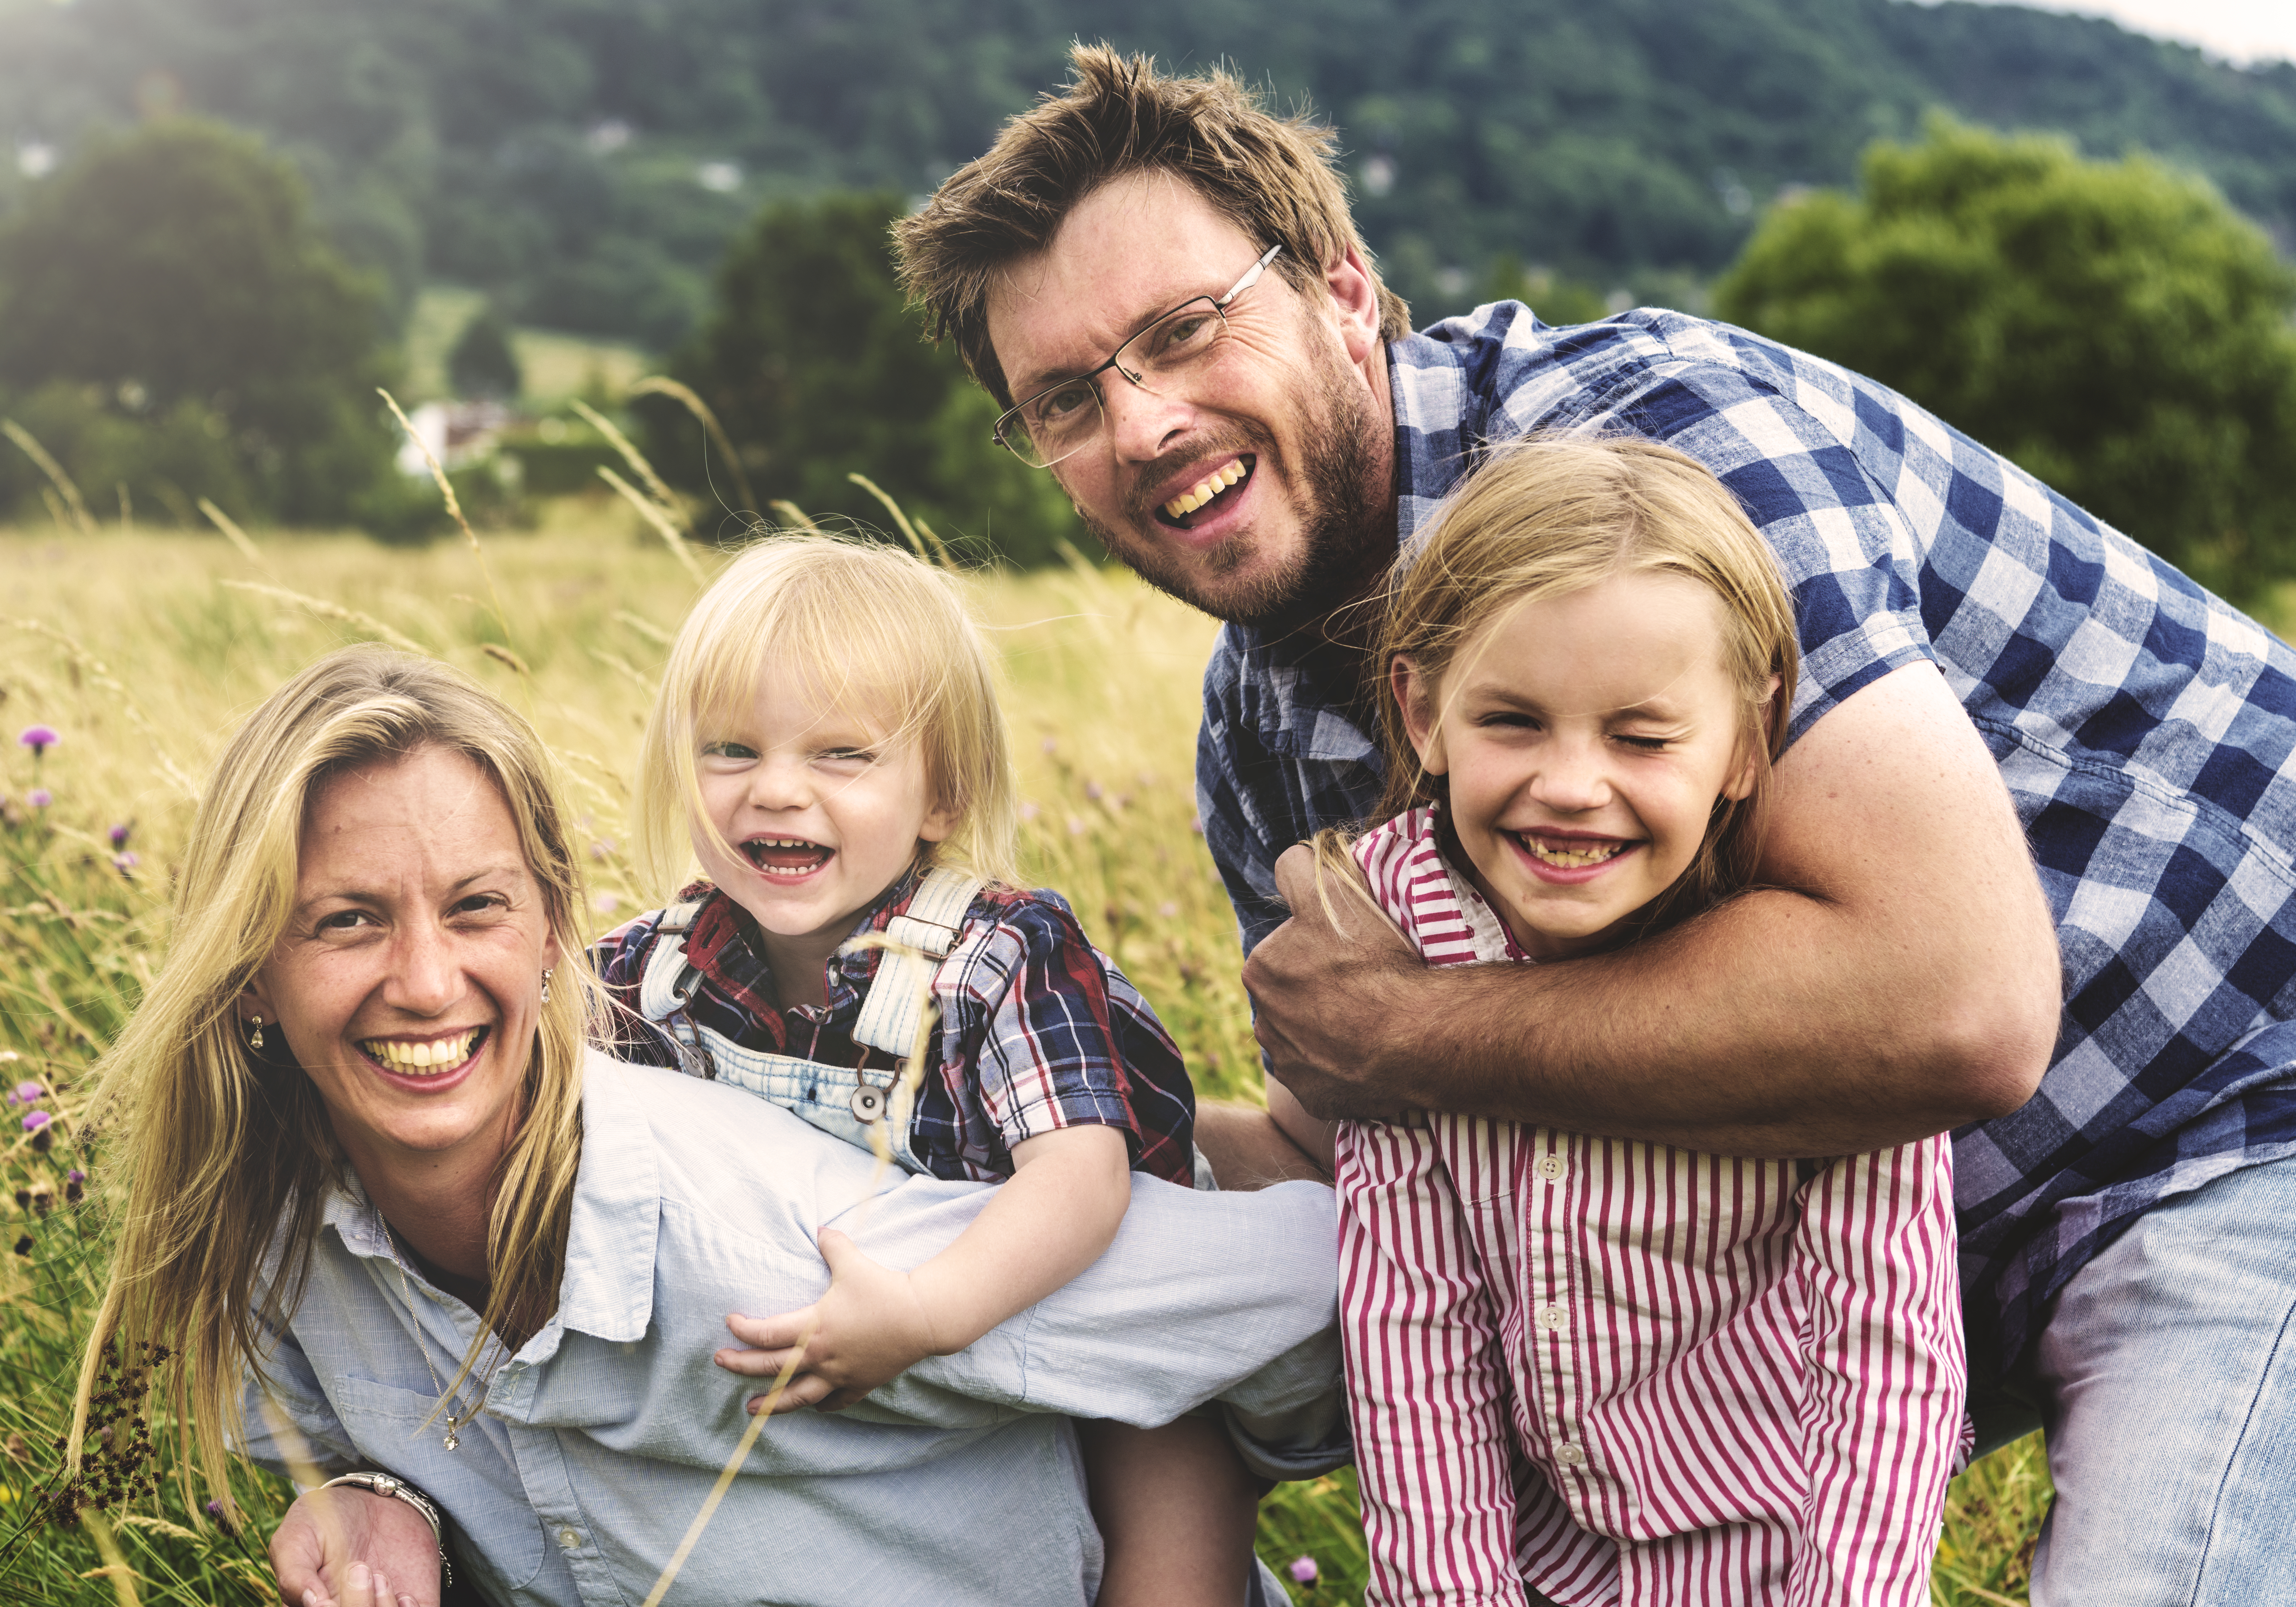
x: 1893, y: 974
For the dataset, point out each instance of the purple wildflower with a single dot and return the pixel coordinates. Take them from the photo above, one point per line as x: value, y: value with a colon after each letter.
x: 75, y: 1175
x: 1303, y: 1571
x: 118, y: 834
x: 39, y: 798
x: 39, y: 739
x: 35, y: 1120
x: 124, y: 862
x: 26, y: 1092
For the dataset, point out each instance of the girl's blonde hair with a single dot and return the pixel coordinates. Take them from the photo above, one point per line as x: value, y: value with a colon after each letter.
x: 227, y: 1151
x: 1548, y: 515
x: 883, y: 636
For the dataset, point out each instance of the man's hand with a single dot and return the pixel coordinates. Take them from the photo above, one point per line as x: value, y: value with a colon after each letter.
x: 869, y: 1328
x: 1328, y: 996
x: 350, y: 1547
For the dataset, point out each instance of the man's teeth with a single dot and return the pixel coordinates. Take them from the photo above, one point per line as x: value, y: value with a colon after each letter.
x: 1196, y: 496
x: 419, y: 1058
x: 1571, y: 857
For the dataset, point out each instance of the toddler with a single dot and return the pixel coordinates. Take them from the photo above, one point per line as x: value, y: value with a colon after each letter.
x: 1592, y: 1370
x: 826, y: 741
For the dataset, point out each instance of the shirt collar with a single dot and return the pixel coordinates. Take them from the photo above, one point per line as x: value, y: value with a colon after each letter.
x: 723, y: 946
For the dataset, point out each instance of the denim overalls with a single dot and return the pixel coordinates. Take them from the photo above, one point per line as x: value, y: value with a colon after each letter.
x: 839, y: 1100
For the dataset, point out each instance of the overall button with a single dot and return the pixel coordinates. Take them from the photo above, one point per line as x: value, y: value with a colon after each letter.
x: 1551, y: 1166
x: 868, y: 1103
x: 1551, y: 1318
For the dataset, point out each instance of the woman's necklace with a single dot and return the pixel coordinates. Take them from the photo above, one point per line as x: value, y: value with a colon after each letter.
x: 456, y: 1419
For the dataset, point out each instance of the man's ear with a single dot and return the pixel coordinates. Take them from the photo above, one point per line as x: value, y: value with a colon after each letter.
x: 1414, y: 697
x: 1355, y: 298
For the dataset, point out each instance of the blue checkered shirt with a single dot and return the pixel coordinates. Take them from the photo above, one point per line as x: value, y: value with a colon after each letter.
x: 2143, y: 726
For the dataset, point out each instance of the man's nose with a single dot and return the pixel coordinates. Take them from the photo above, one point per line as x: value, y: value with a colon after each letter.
x: 1141, y: 423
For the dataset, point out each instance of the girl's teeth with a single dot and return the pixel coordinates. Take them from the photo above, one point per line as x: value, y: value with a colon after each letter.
x: 1572, y: 858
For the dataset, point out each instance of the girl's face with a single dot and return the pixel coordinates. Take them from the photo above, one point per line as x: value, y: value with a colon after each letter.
x: 824, y: 807
x: 1587, y: 738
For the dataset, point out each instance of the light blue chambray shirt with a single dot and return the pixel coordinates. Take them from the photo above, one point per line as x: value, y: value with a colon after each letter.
x: 959, y: 1482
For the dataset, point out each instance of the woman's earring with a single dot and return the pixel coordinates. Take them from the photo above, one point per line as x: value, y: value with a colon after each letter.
x: 546, y: 983
x: 255, y: 1039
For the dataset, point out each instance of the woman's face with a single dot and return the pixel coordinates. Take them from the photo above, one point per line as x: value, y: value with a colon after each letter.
x: 409, y: 984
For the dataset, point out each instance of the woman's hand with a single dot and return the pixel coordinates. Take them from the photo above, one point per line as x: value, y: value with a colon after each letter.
x: 868, y: 1328
x: 350, y: 1547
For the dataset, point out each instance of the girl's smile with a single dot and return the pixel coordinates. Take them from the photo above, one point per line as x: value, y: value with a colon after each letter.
x: 1587, y: 738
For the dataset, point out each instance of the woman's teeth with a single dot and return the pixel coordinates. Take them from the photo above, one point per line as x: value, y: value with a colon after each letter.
x: 422, y: 1059
x: 1196, y: 496
x: 1570, y: 856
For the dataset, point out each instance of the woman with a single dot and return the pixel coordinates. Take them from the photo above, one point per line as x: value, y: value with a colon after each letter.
x: 390, y: 1215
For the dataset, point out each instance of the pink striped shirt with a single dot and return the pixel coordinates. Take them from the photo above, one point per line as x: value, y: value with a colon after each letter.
x: 1618, y: 1371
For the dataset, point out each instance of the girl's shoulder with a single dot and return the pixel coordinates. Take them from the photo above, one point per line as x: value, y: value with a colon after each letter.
x: 1443, y: 916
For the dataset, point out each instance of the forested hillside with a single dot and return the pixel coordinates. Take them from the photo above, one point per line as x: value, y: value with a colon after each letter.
x: 585, y: 161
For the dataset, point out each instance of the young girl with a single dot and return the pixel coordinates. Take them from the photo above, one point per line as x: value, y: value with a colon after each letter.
x: 827, y: 743
x: 1593, y: 1370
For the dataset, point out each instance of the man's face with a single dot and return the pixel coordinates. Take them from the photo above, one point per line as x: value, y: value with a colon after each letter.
x: 1278, y: 437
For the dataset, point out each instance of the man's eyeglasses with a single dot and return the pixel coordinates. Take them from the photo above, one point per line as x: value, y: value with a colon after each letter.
x: 1064, y: 419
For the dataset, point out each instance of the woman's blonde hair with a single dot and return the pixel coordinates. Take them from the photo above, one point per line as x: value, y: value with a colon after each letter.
x: 227, y: 1151
x: 1549, y: 515
x: 882, y: 635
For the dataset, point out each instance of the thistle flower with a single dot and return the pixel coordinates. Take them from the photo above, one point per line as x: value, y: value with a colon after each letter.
x: 1303, y: 1571
x: 36, y: 1119
x: 39, y: 739
x: 124, y: 862
x: 39, y: 798
x: 118, y: 834
x: 24, y: 1093
x: 24, y: 1246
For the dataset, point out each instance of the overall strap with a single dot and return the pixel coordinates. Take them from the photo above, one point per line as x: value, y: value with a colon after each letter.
x: 668, y: 981
x: 904, y: 981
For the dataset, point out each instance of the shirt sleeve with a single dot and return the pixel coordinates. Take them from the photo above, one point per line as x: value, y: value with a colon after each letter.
x: 1234, y: 820
x: 1882, y: 1419
x: 1426, y: 1389
x: 1046, y: 1052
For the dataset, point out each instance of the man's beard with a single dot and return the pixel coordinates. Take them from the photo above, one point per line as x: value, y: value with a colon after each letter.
x: 1345, y: 540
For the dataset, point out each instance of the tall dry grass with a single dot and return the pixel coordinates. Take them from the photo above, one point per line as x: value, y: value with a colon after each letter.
x: 143, y: 652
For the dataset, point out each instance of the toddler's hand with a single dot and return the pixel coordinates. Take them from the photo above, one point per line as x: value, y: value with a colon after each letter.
x: 868, y: 1328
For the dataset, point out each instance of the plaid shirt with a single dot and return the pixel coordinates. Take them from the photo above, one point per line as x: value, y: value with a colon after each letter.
x: 1038, y: 1029
x: 2144, y: 729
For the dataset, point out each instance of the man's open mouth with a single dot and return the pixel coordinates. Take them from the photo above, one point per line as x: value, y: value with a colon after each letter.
x: 786, y: 855
x: 1571, y: 853
x: 1213, y: 491
x: 424, y: 1057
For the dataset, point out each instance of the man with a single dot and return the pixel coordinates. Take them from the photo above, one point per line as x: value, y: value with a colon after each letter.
x: 1992, y: 679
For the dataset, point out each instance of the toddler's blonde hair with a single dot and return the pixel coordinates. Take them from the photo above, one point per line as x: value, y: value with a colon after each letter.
x: 1549, y: 515
x: 884, y: 637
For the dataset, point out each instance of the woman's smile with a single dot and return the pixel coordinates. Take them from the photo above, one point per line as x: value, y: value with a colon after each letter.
x: 429, y: 1059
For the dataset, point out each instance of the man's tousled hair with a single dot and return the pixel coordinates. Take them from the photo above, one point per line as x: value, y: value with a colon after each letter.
x: 1275, y: 177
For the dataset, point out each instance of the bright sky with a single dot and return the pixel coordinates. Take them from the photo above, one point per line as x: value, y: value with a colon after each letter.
x: 2239, y: 30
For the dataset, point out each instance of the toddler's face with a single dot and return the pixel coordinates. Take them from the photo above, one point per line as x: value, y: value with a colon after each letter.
x: 823, y: 808
x: 1587, y: 738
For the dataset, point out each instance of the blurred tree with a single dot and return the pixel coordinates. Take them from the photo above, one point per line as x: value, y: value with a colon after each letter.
x: 482, y: 363
x: 819, y: 370
x: 1556, y: 299
x: 2116, y: 329
x: 174, y: 274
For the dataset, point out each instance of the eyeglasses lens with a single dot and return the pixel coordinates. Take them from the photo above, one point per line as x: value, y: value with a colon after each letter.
x: 1058, y: 422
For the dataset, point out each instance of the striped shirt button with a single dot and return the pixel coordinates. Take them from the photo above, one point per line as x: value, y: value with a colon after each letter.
x: 1551, y: 1166
x: 1551, y: 1318
x: 1568, y: 1454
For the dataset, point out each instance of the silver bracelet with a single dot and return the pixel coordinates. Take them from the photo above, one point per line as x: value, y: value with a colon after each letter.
x: 399, y: 1490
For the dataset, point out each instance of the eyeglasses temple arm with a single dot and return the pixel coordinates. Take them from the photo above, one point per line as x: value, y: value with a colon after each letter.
x: 1250, y: 275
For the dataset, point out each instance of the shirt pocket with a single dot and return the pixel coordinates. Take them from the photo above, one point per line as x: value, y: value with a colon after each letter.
x: 476, y: 1486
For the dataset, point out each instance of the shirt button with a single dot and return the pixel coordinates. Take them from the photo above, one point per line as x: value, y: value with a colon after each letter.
x: 1568, y: 1454
x: 1551, y: 1166
x: 570, y: 1539
x: 1551, y: 1318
